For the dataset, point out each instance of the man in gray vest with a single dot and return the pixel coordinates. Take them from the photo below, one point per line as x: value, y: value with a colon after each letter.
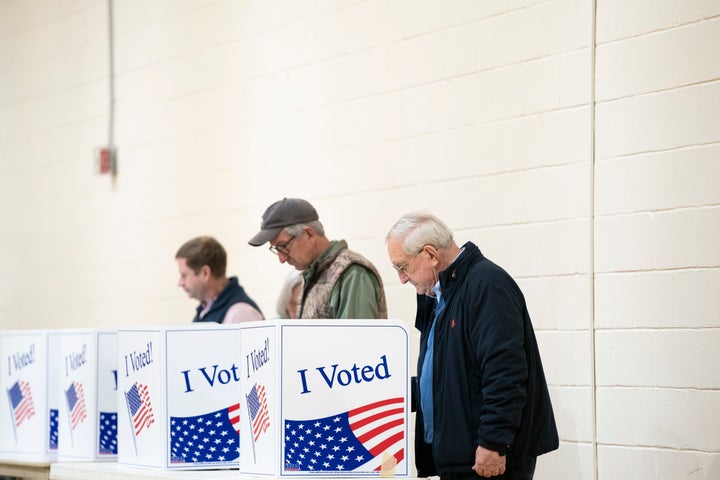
x: 339, y: 283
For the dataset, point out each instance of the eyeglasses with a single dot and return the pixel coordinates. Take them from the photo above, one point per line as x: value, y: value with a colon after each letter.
x: 281, y: 247
x: 403, y: 268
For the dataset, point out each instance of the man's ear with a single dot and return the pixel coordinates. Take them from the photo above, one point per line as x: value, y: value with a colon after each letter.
x: 205, y: 272
x: 433, y: 253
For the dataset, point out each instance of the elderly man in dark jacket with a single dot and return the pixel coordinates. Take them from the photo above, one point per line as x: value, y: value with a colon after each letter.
x: 484, y: 407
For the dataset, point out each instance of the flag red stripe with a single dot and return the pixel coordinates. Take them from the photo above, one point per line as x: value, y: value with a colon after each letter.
x: 234, y: 416
x: 377, y: 431
x: 25, y: 409
x: 381, y: 447
x: 261, y: 424
x: 371, y: 406
x: 142, y: 419
x: 78, y: 415
x: 144, y: 416
x: 364, y: 421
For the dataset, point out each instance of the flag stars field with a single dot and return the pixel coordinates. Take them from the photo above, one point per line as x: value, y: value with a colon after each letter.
x: 355, y: 440
x: 200, y: 439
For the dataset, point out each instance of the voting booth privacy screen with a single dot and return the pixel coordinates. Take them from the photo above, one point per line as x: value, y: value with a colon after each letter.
x: 179, y: 394
x: 344, y: 408
x: 325, y: 398
x: 28, y: 403
x: 87, y: 395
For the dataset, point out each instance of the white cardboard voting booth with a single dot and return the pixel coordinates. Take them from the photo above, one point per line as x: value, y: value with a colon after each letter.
x: 260, y: 394
x: 179, y: 394
x: 88, y: 395
x: 28, y: 403
x: 325, y: 398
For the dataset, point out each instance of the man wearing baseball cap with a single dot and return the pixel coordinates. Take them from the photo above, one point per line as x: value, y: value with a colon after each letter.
x: 339, y: 283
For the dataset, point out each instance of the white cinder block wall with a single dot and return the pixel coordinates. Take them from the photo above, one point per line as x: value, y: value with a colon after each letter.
x: 657, y: 239
x: 576, y: 142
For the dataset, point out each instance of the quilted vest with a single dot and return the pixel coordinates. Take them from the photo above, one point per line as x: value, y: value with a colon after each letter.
x: 316, y: 302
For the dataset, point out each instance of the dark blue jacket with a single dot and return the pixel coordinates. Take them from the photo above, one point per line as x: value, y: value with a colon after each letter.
x: 489, y: 388
x: 232, y: 293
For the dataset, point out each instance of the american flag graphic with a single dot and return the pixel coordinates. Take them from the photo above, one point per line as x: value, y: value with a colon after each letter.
x: 76, y: 404
x: 21, y: 402
x: 351, y: 441
x: 258, y: 409
x: 138, y: 401
x: 107, y: 440
x: 53, y: 444
x: 210, y: 437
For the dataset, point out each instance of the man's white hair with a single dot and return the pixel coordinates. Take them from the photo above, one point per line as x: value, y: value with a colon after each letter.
x: 418, y: 229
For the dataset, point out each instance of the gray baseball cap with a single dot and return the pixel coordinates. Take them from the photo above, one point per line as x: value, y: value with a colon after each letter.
x: 281, y: 214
